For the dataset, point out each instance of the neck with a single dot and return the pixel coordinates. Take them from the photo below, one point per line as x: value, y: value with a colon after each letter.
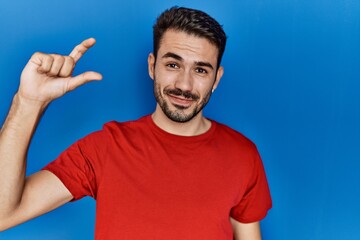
x: 196, y: 126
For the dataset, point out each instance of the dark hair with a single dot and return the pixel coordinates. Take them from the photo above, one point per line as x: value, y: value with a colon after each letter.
x: 193, y: 22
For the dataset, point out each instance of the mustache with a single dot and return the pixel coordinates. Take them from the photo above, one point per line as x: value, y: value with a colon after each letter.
x: 179, y: 92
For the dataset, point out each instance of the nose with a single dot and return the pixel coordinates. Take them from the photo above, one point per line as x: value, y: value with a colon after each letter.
x: 184, y: 81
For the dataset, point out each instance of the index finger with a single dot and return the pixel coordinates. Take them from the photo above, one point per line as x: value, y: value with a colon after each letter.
x: 81, y: 49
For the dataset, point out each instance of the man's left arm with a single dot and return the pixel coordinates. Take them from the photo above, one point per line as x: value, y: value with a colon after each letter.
x: 246, y: 231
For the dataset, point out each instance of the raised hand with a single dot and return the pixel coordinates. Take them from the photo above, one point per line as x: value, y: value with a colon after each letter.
x: 48, y: 76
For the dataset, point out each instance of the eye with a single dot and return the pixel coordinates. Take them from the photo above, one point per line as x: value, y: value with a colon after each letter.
x: 201, y: 70
x: 172, y: 65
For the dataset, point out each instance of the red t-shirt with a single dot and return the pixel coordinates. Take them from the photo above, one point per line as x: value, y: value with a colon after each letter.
x: 150, y: 184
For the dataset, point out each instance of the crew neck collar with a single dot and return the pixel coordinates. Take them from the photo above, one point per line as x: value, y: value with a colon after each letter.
x: 156, y: 129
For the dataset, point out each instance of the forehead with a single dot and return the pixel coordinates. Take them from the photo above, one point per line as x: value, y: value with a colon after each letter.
x: 188, y: 46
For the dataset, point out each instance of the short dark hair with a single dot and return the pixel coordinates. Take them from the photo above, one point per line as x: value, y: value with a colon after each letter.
x: 193, y: 22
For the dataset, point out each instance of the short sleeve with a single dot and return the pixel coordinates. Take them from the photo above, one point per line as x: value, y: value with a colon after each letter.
x: 79, y: 167
x: 256, y: 200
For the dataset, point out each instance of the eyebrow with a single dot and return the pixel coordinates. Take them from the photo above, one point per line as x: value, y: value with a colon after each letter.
x: 172, y: 55
x: 204, y: 64
x: 179, y: 58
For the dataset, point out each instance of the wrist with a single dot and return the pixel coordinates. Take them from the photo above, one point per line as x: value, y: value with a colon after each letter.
x: 23, y: 116
x: 29, y: 104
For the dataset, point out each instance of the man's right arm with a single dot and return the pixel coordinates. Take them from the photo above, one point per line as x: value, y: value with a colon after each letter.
x: 45, y: 78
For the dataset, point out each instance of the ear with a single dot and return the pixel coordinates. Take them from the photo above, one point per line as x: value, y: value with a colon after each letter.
x: 219, y: 74
x: 151, y: 65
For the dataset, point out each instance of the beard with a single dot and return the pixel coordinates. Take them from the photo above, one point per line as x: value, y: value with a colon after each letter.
x: 179, y: 114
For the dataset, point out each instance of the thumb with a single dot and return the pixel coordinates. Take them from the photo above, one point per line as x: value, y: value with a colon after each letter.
x: 83, y: 78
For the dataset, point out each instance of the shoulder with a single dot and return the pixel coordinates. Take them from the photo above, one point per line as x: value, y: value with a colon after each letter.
x: 113, y: 125
x: 124, y: 131
x: 233, y: 137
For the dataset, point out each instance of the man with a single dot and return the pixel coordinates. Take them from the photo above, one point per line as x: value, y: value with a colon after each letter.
x: 170, y: 175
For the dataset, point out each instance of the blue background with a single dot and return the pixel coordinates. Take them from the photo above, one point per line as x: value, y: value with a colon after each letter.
x: 291, y: 84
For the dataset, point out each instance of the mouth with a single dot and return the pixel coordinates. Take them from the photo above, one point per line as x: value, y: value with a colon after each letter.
x: 180, y: 101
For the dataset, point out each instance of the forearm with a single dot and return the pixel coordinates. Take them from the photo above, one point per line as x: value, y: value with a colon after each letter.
x: 15, y: 136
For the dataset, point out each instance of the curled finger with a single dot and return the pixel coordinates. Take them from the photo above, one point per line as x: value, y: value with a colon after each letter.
x: 45, y: 63
x: 57, y: 64
x: 67, y: 67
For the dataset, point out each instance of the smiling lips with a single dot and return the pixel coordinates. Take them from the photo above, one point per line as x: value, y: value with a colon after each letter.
x: 180, y: 101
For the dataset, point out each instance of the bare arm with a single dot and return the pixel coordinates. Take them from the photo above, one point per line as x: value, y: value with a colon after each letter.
x: 246, y: 231
x: 44, y: 78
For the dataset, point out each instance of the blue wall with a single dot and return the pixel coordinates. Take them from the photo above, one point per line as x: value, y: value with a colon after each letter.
x: 291, y: 84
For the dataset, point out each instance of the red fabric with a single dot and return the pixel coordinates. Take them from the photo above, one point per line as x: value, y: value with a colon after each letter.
x: 150, y: 184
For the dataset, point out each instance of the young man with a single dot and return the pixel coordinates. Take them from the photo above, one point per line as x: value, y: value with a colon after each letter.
x: 170, y: 175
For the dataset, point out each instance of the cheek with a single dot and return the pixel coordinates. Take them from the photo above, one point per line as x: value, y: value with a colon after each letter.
x: 165, y: 79
x: 203, y: 87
